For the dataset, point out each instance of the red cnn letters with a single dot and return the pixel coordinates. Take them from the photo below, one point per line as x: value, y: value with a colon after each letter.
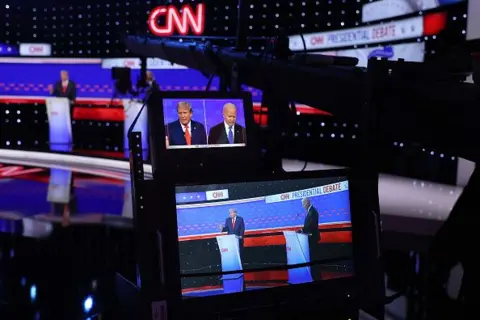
x: 179, y: 21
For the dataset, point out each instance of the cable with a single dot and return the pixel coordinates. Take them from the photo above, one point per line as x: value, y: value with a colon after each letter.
x: 304, y: 44
x: 209, y: 83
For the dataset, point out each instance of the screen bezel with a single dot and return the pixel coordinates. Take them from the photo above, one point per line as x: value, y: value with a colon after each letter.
x: 324, y: 288
x: 179, y: 161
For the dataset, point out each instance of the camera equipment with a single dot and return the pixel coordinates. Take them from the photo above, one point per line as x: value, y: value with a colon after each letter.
x: 389, y: 100
x: 123, y: 82
x: 271, y: 75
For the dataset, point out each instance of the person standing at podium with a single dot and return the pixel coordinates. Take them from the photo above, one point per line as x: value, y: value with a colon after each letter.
x: 234, y: 224
x: 310, y: 227
x: 64, y: 88
x: 151, y: 83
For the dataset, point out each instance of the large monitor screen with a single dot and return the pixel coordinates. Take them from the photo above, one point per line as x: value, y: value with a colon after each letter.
x: 242, y: 236
x: 203, y: 123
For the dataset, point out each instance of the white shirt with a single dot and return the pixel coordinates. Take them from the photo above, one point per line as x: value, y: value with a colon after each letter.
x: 308, y: 210
x: 227, y: 129
x: 184, y: 127
x: 233, y: 220
x: 65, y: 83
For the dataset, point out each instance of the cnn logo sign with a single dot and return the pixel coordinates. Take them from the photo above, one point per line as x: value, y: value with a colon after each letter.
x: 177, y: 21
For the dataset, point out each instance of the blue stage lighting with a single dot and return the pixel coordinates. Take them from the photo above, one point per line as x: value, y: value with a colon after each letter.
x: 33, y: 293
x: 8, y: 50
x: 88, y: 304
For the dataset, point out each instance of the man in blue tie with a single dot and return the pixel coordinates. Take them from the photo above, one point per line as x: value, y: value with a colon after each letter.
x: 228, y: 131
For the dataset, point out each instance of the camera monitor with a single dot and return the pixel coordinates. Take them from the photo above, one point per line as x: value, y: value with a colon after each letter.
x: 193, y: 132
x: 244, y: 236
x: 205, y: 122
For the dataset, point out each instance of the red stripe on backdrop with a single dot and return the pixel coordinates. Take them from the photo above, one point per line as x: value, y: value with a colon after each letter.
x: 99, y: 114
x: 78, y: 102
x: 22, y: 100
x: 110, y: 110
x: 341, y: 236
x: 278, y: 240
x: 267, y: 275
x: 117, y: 114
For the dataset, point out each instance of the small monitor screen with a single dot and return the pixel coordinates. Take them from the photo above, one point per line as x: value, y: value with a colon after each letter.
x: 204, y: 123
x: 242, y: 236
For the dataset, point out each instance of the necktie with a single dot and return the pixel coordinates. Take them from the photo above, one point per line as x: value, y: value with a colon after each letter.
x: 230, y: 135
x: 188, y: 136
x: 233, y: 223
x: 64, y: 89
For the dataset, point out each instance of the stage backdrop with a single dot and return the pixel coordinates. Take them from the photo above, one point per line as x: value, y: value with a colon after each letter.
x: 31, y: 76
x: 259, y: 215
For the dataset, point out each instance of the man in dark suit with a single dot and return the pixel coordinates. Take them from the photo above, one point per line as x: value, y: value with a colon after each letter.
x: 185, y: 131
x: 64, y: 88
x: 235, y: 225
x: 228, y: 131
x: 310, y: 228
x: 152, y: 84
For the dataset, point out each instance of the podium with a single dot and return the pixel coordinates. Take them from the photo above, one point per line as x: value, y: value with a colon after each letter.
x: 59, y: 186
x: 131, y: 108
x: 127, y: 210
x: 60, y: 124
x: 298, y: 252
x: 231, y: 261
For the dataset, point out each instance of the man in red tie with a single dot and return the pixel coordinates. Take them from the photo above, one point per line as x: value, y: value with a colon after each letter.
x: 185, y: 131
x: 234, y: 224
x: 64, y: 88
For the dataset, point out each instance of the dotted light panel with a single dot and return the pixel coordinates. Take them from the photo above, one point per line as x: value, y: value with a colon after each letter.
x: 97, y: 29
x: 268, y: 17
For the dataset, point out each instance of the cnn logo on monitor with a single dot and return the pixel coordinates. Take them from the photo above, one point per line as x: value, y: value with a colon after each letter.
x: 177, y: 21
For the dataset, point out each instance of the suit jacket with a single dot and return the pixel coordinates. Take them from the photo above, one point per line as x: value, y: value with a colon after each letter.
x: 153, y: 86
x: 218, y: 135
x: 176, y: 136
x: 70, y: 93
x: 239, y: 229
x: 310, y: 225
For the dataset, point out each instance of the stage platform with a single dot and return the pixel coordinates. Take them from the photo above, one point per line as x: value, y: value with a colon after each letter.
x: 101, y: 189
